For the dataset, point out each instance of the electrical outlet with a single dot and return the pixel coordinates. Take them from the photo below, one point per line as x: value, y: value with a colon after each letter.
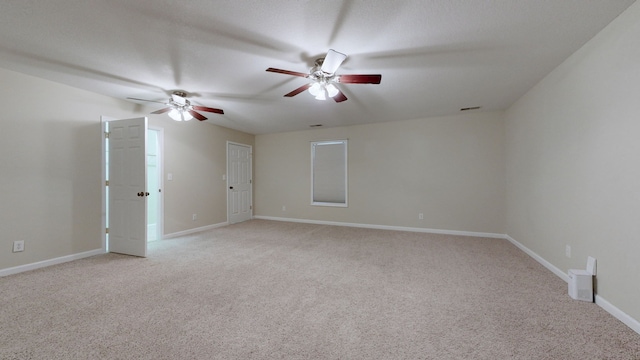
x: 284, y: 208
x: 18, y: 246
x: 420, y: 216
x: 567, y: 251
x: 194, y: 217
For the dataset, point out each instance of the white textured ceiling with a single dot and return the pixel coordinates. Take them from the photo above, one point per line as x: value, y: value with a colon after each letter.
x: 435, y: 56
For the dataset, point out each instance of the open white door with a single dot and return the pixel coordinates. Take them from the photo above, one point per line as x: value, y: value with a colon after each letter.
x: 239, y: 182
x: 127, y: 187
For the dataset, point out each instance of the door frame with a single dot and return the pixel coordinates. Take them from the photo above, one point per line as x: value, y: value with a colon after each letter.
x: 103, y: 130
x: 250, y: 182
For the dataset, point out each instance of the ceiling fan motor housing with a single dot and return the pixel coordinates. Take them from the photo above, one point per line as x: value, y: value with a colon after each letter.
x: 318, y: 75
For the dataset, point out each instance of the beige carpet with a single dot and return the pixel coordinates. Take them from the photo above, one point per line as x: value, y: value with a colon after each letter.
x: 272, y: 290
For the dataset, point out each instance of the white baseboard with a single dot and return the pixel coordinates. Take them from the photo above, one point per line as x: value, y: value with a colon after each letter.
x: 561, y: 274
x: 45, y: 263
x: 600, y: 301
x: 385, y: 227
x: 63, y: 259
x: 618, y: 314
x: 194, y: 230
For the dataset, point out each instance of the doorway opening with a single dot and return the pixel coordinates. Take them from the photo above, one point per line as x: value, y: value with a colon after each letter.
x: 154, y: 184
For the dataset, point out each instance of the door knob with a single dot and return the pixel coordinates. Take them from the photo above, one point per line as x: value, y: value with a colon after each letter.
x: 141, y: 194
x: 231, y: 187
x: 146, y: 194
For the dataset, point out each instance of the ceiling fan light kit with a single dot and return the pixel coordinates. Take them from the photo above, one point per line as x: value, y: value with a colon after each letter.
x: 180, y: 115
x: 320, y: 90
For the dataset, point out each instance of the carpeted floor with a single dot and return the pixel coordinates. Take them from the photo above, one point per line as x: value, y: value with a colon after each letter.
x: 273, y: 290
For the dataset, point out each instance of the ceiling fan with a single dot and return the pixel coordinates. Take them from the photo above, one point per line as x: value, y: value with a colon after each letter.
x: 180, y: 109
x: 323, y: 78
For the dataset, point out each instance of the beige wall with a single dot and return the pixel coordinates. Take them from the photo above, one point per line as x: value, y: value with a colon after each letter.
x: 196, y: 156
x: 50, y: 168
x: 449, y: 168
x: 573, y: 163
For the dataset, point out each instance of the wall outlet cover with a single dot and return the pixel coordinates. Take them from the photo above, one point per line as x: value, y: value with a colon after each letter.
x: 18, y: 246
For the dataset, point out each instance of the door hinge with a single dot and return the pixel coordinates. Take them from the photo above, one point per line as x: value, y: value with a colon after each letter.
x: 107, y: 230
x: 106, y: 183
x: 250, y: 181
x: 250, y: 207
x: 106, y: 134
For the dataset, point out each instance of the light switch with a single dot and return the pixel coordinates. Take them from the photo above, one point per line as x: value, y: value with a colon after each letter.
x: 169, y: 176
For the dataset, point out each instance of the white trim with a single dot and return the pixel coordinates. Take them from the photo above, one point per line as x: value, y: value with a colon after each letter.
x: 600, y: 301
x: 45, y: 263
x: 618, y: 314
x: 561, y: 274
x: 103, y: 128
x: 385, y: 227
x: 194, y: 230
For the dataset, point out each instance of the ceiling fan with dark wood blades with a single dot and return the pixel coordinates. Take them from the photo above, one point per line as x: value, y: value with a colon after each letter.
x: 180, y: 109
x: 323, y: 78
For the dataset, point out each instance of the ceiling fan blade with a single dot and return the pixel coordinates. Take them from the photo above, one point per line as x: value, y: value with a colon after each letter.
x: 332, y: 61
x: 359, y: 79
x: 159, y: 102
x: 162, y: 111
x: 197, y: 115
x: 288, y: 72
x: 340, y: 97
x: 207, y: 109
x: 178, y: 99
x: 298, y: 90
